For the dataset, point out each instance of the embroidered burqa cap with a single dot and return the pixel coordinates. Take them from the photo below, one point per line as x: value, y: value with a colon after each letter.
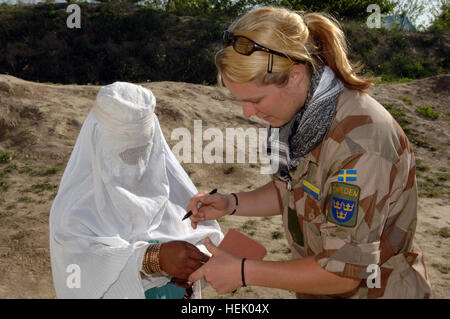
x: 122, y: 187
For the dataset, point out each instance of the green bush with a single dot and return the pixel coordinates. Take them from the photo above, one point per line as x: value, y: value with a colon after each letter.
x: 420, y: 166
x: 388, y: 53
x: 407, y: 100
x: 444, y: 232
x: 428, y: 112
x: 4, y: 186
x: 399, y: 114
x: 120, y: 40
x: 5, y: 157
x: 442, y: 23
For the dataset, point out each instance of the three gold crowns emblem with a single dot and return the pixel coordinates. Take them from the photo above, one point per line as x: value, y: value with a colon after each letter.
x: 342, y: 209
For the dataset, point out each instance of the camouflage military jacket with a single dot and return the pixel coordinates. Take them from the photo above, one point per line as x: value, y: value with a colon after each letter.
x: 352, y: 203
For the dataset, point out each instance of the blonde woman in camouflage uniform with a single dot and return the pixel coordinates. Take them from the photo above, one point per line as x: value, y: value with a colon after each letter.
x: 345, y: 185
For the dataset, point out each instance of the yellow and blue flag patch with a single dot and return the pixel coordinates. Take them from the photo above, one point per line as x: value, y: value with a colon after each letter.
x: 343, y: 206
x: 311, y: 189
x: 347, y: 175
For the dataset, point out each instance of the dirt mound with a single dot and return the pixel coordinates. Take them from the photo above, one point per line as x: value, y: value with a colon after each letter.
x: 39, y: 124
x: 422, y: 108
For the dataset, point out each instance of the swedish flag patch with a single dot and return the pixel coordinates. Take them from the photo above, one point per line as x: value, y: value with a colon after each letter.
x: 311, y: 189
x: 343, y: 206
x: 347, y: 175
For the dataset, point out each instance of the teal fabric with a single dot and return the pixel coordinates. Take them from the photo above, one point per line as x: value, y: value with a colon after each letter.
x: 169, y: 291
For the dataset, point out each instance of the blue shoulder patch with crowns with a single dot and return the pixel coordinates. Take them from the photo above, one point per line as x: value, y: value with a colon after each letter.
x: 343, y: 206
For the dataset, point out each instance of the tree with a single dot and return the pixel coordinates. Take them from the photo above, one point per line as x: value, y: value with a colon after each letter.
x: 419, y: 12
x: 342, y: 9
x: 201, y: 7
x: 441, y: 23
x: 118, y: 1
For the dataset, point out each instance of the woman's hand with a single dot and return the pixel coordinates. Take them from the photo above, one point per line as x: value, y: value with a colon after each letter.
x: 222, y: 271
x: 180, y: 258
x: 214, y: 206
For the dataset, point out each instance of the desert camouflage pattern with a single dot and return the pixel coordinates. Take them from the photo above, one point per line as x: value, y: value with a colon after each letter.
x: 363, y: 136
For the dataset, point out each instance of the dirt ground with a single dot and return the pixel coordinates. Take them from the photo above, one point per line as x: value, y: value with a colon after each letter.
x: 39, y: 124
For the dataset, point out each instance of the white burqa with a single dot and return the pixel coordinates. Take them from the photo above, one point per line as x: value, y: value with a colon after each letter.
x: 122, y: 187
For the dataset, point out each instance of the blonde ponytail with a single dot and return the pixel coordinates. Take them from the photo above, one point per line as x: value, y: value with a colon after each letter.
x: 331, y: 49
x: 314, y: 37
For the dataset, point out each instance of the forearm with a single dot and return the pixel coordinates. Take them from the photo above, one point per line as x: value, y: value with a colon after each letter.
x: 262, y: 201
x: 299, y: 275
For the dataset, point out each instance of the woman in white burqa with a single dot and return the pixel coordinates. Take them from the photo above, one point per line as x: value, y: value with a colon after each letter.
x: 122, y: 192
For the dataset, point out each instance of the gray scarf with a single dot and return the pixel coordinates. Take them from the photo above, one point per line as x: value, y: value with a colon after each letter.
x: 288, y: 143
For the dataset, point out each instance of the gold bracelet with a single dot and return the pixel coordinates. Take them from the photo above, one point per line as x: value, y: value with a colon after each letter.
x: 154, y: 258
x: 145, y: 267
x: 150, y: 263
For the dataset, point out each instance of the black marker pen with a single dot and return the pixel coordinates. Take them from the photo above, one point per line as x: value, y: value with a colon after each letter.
x: 189, y: 213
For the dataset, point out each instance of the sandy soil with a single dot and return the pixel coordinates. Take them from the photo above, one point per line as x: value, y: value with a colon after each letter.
x: 39, y: 124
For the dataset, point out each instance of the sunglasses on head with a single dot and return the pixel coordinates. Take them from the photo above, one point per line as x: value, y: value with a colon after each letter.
x: 246, y: 46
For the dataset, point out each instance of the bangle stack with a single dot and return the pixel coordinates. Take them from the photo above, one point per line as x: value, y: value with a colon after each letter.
x: 150, y: 264
x: 237, y: 202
